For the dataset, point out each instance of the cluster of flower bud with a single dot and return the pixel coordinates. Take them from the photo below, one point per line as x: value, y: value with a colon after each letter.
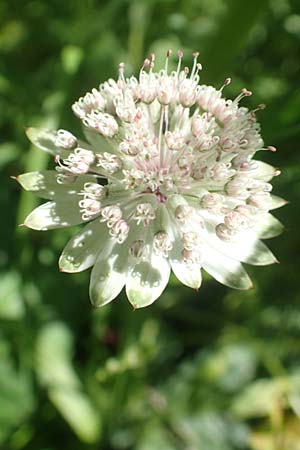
x: 163, y: 147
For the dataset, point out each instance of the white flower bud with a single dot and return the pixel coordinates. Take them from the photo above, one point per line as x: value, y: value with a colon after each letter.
x: 224, y: 233
x: 146, y: 90
x: 79, y: 161
x: 85, y: 155
x: 208, y: 97
x: 191, y: 256
x: 238, y: 186
x: 89, y: 208
x: 104, y: 123
x: 162, y: 244
x: 236, y: 221
x: 213, y: 201
x: 246, y: 210
x: 165, y: 88
x: 65, y: 139
x: 88, y: 103
x: 138, y: 249
x: 144, y: 213
x: 132, y: 178
x: 94, y: 190
x: 183, y: 213
x: 261, y: 200
x: 191, y: 240
x: 174, y: 140
x: 187, y: 92
x: 119, y: 230
x: 222, y: 171
x: 129, y: 147
x: 111, y: 214
x: 125, y: 106
x: 109, y: 162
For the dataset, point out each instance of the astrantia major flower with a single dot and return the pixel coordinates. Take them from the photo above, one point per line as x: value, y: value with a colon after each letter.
x: 165, y: 180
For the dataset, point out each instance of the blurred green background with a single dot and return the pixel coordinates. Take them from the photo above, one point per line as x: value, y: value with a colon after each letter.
x: 210, y: 370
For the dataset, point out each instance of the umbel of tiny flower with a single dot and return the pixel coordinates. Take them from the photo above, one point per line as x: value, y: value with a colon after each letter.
x: 164, y: 180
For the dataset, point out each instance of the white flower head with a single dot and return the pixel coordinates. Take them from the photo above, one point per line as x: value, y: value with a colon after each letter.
x: 165, y: 181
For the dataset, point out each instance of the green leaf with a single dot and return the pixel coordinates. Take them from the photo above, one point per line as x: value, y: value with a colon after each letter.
x: 16, y: 396
x: 78, y: 411
x: 71, y: 57
x: 55, y: 371
x: 11, y: 303
x: 53, y: 356
x: 8, y: 153
x: 260, y: 398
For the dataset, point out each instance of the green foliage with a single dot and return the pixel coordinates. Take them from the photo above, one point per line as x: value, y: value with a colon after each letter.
x: 213, y: 369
